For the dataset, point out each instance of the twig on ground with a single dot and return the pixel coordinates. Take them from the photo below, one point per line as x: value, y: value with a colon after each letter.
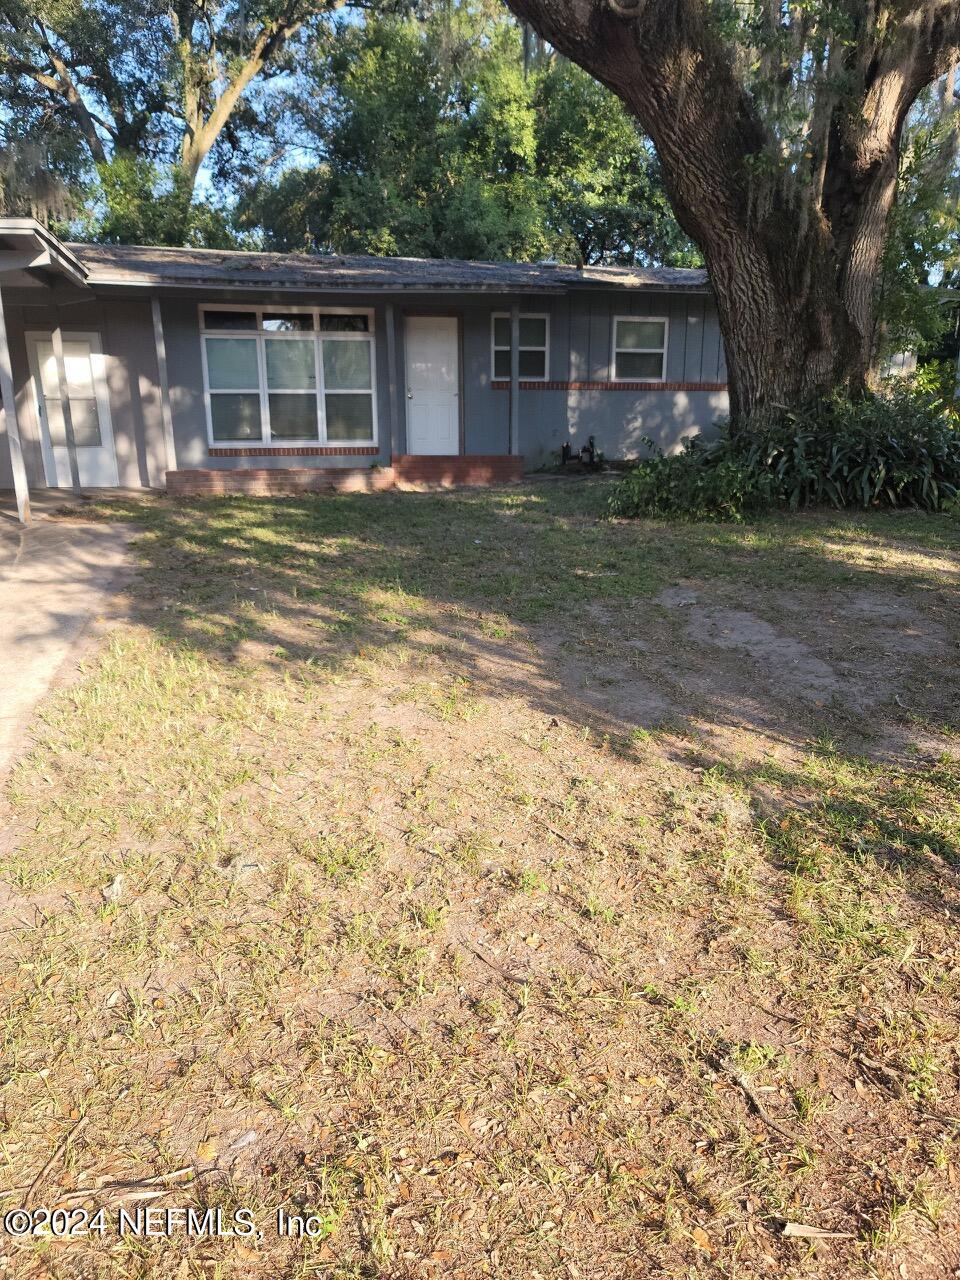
x: 805, y: 1232
x: 58, y: 1152
x: 940, y: 1118
x: 741, y: 1081
x: 144, y: 1188
x: 559, y: 834
x: 895, y: 1082
x: 776, y: 1013
x: 510, y: 977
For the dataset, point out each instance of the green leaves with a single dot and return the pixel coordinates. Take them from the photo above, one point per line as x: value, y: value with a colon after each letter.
x: 431, y: 140
x: 899, y: 448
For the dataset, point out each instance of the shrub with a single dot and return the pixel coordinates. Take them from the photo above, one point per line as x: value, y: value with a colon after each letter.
x: 898, y: 448
x: 703, y: 482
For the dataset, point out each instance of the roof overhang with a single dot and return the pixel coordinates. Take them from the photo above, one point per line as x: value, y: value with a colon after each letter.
x: 276, y: 287
x: 31, y: 256
x: 273, y: 288
x: 184, y: 270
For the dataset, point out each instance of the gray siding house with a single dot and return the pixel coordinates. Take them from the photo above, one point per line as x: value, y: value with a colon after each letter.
x: 206, y: 371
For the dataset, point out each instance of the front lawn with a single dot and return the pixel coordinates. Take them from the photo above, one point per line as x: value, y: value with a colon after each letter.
x: 522, y: 893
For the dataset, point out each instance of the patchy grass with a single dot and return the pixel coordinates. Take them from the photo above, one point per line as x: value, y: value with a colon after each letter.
x: 521, y: 893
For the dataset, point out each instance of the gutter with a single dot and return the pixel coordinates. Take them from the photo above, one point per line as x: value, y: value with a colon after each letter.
x: 322, y: 286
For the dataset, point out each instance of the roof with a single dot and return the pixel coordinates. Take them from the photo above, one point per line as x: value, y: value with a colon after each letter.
x: 32, y: 255
x: 190, y: 268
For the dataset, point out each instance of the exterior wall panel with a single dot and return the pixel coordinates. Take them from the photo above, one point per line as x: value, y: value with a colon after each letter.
x: 486, y: 413
x: 598, y: 361
x: 580, y: 345
x: 618, y: 420
x: 26, y: 412
x: 126, y: 338
x: 132, y: 384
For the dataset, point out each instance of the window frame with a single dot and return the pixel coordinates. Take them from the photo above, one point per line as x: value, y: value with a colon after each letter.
x: 261, y: 336
x: 524, y: 315
x: 662, y: 351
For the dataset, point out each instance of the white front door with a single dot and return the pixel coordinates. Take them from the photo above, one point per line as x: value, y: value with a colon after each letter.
x: 433, y: 385
x: 89, y: 411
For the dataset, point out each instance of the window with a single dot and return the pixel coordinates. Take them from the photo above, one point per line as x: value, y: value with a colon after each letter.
x: 84, y: 411
x: 288, y: 376
x: 534, y: 335
x: 639, y: 348
x: 235, y: 388
x: 230, y: 319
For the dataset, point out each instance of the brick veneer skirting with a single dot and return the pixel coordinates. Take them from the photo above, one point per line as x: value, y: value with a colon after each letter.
x: 445, y: 471
x: 502, y: 385
x: 295, y: 451
x: 409, y: 471
x: 266, y: 481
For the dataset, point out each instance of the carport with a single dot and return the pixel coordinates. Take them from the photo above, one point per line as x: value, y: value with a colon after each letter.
x: 32, y: 258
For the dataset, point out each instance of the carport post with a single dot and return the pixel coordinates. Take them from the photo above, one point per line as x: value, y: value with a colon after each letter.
x: 56, y: 341
x: 8, y: 400
x: 514, y: 446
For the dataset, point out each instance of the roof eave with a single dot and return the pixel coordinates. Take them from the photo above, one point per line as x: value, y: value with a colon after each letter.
x: 500, y: 287
x: 314, y: 286
x: 48, y: 253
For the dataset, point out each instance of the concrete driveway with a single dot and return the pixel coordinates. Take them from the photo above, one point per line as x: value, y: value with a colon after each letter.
x: 56, y: 578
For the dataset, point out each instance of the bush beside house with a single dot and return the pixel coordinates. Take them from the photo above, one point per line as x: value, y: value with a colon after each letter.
x: 899, y: 447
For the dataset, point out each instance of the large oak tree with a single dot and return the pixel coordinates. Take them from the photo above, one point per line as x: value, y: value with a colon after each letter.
x: 778, y: 126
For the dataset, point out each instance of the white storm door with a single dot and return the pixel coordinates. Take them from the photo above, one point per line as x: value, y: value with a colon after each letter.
x: 433, y: 385
x: 89, y: 411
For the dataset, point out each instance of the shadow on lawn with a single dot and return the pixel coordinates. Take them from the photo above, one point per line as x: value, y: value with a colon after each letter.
x: 355, y: 573
x: 882, y: 821
x: 533, y: 595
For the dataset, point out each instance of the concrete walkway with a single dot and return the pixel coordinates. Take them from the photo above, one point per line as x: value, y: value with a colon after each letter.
x: 56, y: 577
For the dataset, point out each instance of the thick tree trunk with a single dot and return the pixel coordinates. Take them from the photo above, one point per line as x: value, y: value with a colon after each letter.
x: 788, y: 336
x: 796, y: 308
x: 793, y: 250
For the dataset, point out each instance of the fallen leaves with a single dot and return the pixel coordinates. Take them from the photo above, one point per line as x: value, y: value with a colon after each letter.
x: 701, y: 1239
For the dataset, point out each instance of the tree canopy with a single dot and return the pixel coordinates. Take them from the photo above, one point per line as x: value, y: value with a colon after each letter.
x: 436, y: 137
x: 922, y: 253
x: 146, y: 92
x: 779, y: 128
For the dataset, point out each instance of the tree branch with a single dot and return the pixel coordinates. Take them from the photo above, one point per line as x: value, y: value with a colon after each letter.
x: 61, y: 85
x: 201, y: 133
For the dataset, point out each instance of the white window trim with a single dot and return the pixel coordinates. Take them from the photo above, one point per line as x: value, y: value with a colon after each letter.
x: 524, y: 315
x: 640, y: 351
x: 260, y: 336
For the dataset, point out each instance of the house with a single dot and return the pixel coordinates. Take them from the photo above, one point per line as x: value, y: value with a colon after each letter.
x: 204, y: 371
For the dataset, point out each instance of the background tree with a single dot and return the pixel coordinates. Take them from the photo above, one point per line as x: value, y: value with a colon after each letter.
x: 448, y: 136
x: 778, y: 126
x: 923, y: 244
x: 599, y: 180
x: 148, y: 91
x: 42, y: 164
